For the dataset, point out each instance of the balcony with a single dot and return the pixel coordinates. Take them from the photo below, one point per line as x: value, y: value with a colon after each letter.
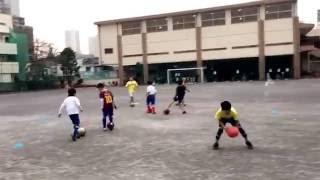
x: 8, y: 48
x: 9, y: 67
x: 4, y: 29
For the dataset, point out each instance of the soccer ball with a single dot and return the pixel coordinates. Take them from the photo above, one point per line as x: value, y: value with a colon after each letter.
x: 82, y: 131
x: 166, y: 112
x: 110, y: 126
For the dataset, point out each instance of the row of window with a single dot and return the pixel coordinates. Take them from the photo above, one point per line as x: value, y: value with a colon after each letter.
x: 215, y: 18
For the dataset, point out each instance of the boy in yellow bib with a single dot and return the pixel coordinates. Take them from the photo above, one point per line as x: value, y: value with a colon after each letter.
x: 228, y: 114
x: 132, y: 86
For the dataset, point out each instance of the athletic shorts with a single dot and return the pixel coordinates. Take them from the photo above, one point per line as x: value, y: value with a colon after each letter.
x: 151, y: 99
x: 232, y: 121
x: 178, y: 99
x: 107, y: 112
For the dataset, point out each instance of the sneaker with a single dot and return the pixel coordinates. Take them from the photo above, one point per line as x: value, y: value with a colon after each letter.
x: 249, y: 145
x: 105, y: 129
x: 73, y: 137
x: 215, y: 146
x: 184, y: 112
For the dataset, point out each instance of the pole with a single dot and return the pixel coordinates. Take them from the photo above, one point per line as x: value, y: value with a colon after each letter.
x: 168, y: 76
x: 202, y: 78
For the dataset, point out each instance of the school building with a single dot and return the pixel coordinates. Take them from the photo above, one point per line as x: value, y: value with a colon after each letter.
x: 238, y: 41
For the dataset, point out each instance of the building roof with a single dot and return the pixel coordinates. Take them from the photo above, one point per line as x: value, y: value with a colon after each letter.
x: 314, y: 33
x: 305, y: 28
x: 316, y: 53
x: 253, y: 3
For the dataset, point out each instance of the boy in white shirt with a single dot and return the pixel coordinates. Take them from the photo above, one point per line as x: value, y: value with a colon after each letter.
x: 151, y: 98
x: 73, y: 108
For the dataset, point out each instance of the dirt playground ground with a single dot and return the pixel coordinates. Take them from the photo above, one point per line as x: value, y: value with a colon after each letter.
x: 281, y: 119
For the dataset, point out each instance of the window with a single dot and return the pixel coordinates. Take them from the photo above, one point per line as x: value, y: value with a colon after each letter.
x: 184, y: 22
x: 213, y: 18
x: 3, y: 58
x: 241, y: 15
x: 129, y: 28
x: 278, y: 11
x: 108, y: 50
x: 157, y: 25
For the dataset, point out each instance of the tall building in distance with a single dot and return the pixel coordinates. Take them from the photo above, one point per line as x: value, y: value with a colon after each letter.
x: 4, y: 7
x: 94, y: 46
x: 318, y: 17
x: 10, y: 7
x: 14, y: 6
x: 73, y: 40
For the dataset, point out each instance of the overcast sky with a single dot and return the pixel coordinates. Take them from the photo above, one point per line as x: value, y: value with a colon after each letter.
x: 50, y: 18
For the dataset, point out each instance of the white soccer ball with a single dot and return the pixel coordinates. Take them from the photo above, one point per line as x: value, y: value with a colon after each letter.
x: 82, y: 131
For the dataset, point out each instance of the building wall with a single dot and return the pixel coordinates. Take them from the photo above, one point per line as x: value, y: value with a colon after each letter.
x: 108, y: 39
x: 8, y: 48
x: 172, y: 43
x: 28, y: 30
x: 5, y: 26
x: 22, y: 57
x: 6, y: 19
x: 9, y: 67
x: 229, y: 41
x: 4, y: 29
x: 8, y: 51
x: 279, y: 32
x: 239, y: 40
x: 218, y: 42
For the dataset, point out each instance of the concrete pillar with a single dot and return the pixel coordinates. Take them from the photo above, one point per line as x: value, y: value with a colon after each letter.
x: 296, y: 49
x: 262, y: 57
x: 262, y: 12
x: 100, y: 45
x: 228, y: 17
x: 144, y: 52
x: 120, y: 60
x: 199, y: 44
x: 170, y: 24
x: 145, y: 58
x: 309, y: 63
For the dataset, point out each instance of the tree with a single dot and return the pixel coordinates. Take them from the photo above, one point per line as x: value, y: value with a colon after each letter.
x: 44, y: 49
x: 69, y: 65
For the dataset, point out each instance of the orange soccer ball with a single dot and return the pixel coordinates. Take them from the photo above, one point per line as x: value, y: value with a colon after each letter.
x: 232, y: 131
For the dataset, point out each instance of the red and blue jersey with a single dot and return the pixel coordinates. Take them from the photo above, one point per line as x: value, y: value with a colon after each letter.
x: 107, y: 98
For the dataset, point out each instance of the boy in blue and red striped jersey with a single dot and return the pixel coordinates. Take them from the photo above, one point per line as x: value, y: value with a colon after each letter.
x: 107, y: 106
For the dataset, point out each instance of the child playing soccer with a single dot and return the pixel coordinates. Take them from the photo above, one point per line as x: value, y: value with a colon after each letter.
x: 228, y: 114
x: 179, y: 97
x: 107, y: 106
x: 132, y: 86
x: 73, y: 108
x: 151, y: 98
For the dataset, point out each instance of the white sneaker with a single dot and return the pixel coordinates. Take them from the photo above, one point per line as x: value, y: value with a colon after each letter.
x: 105, y: 129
